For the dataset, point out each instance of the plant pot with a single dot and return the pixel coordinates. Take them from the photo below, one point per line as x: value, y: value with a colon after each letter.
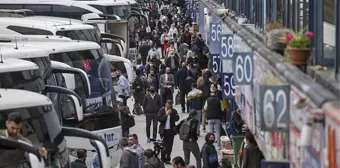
x: 299, y: 56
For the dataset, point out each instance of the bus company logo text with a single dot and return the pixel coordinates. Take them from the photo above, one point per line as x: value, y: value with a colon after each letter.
x: 109, y: 137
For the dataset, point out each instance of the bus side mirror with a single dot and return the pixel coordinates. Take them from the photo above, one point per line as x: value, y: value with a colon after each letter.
x: 77, y: 107
x: 71, y: 75
x: 34, y: 157
x: 74, y: 135
x: 101, y: 151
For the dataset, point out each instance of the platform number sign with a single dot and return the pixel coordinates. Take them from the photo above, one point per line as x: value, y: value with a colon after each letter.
x: 227, y: 46
x: 228, y: 85
x: 215, y: 36
x: 215, y: 63
x: 243, y: 66
x: 274, y: 107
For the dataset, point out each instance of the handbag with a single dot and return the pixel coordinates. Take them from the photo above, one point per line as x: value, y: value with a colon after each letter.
x: 178, y: 99
x: 129, y: 121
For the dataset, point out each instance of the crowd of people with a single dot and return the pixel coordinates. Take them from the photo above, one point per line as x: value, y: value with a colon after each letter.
x: 173, y: 57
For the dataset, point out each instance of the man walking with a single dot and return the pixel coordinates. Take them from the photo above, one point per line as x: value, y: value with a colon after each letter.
x: 133, y: 143
x: 123, y: 87
x: 184, y: 81
x: 143, y: 51
x: 167, y: 82
x: 138, y: 87
x: 151, y: 160
x: 213, y: 108
x: 129, y: 158
x: 151, y: 105
x: 195, y: 102
x: 188, y: 134
x: 167, y: 118
x: 80, y: 161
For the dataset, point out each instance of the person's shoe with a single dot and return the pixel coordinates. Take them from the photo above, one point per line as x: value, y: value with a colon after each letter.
x: 148, y: 140
x: 204, y: 130
x: 167, y: 162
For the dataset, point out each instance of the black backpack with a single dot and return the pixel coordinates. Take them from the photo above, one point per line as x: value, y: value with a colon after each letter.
x: 225, y: 163
x: 139, y: 85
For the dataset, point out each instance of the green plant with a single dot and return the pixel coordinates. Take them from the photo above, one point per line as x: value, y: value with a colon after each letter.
x: 302, y: 39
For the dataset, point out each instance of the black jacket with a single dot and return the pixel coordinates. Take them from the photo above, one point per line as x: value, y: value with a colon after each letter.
x: 144, y: 50
x: 163, y: 117
x: 168, y: 61
x: 193, y: 128
x: 214, y: 110
x: 152, y: 105
x: 209, y: 156
x: 182, y: 74
x: 252, y: 156
x: 78, y: 164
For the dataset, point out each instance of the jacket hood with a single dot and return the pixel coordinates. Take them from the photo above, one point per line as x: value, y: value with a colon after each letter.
x: 131, y: 149
x: 195, y: 93
x: 154, y: 161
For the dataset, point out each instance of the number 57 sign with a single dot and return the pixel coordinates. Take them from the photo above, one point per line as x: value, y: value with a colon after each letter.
x: 274, y: 107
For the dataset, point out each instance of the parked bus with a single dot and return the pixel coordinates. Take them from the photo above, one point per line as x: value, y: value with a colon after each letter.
x: 41, y: 126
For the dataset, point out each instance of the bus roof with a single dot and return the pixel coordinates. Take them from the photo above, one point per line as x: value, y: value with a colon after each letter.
x: 15, y: 99
x: 104, y: 2
x: 53, y: 2
x: 64, y: 46
x: 11, y: 50
x: 43, y: 24
x: 52, y: 44
x: 16, y: 65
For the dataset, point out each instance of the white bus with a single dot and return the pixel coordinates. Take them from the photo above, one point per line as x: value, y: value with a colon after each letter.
x: 100, y: 116
x: 41, y: 126
x: 71, y: 28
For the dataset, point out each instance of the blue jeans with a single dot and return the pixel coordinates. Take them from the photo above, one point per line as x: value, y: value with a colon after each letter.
x: 199, y: 118
x: 215, y: 124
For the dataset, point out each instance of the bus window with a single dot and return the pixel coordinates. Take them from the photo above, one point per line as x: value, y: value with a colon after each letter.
x: 11, y: 6
x: 39, y: 9
x: 29, y: 31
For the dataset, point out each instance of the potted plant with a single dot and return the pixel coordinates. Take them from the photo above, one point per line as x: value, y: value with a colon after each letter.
x: 272, y: 26
x: 273, y: 37
x: 299, y: 46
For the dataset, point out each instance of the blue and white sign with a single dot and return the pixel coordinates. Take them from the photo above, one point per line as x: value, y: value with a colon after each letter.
x: 201, y: 18
x: 215, y: 63
x: 227, y: 46
x: 228, y: 85
x: 215, y: 30
x: 243, y: 65
x: 274, y: 107
x: 274, y: 164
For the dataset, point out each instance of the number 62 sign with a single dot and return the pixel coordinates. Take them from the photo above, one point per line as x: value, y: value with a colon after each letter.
x: 274, y: 107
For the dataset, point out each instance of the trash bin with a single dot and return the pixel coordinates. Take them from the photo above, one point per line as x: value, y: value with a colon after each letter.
x: 237, y: 142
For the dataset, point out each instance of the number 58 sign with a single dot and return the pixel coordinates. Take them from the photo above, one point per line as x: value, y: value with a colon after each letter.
x: 274, y: 107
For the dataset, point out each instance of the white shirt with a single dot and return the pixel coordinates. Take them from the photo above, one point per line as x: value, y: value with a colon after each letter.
x: 152, y: 96
x: 167, y: 124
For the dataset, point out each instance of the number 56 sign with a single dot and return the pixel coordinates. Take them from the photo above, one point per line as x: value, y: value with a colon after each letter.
x: 274, y: 107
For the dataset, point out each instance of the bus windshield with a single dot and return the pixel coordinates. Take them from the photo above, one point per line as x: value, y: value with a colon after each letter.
x: 41, y: 126
x: 85, y: 35
x: 26, y: 80
x: 93, y: 63
x: 44, y: 64
x: 123, y: 11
